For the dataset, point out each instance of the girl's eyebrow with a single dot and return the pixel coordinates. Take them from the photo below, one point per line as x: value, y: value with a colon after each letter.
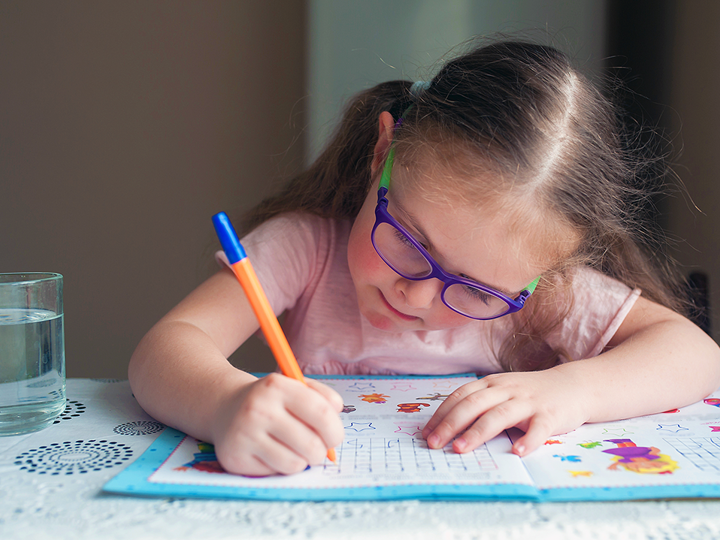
x: 411, y: 222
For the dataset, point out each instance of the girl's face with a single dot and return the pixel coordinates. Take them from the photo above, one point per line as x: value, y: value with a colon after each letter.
x: 464, y: 240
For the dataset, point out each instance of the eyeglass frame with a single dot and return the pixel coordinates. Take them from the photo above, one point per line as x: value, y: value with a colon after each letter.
x: 382, y: 215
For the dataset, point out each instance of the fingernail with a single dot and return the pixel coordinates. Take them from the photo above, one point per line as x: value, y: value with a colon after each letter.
x: 519, y: 449
x: 460, y: 444
x: 433, y: 440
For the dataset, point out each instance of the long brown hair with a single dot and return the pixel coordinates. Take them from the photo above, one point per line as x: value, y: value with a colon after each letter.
x: 527, y: 113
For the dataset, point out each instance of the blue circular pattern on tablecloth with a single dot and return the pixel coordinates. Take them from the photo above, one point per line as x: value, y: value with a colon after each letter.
x: 74, y: 457
x: 141, y: 427
x: 73, y: 409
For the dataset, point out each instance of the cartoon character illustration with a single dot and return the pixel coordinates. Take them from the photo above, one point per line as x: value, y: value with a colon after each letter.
x: 411, y: 407
x: 573, y: 459
x: 205, y: 460
x: 590, y: 444
x: 348, y: 408
x: 639, y: 459
x: 437, y: 396
x: 715, y: 402
x: 374, y: 398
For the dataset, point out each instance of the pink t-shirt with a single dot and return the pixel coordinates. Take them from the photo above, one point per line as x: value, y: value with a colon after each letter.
x: 301, y: 262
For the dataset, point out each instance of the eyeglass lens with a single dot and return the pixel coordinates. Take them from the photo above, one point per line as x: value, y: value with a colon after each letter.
x: 398, y: 251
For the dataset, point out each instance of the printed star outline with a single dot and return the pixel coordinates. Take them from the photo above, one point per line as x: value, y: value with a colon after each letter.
x: 671, y: 428
x: 617, y: 432
x: 361, y: 386
x: 411, y: 430
x: 360, y: 426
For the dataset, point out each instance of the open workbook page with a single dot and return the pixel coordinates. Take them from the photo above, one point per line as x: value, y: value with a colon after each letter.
x: 673, y: 454
x: 383, y: 454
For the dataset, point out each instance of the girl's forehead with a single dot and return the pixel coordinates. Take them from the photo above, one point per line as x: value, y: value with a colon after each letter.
x: 481, y: 207
x: 445, y: 170
x: 440, y: 178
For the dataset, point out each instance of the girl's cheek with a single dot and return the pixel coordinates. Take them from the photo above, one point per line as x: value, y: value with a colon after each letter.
x: 363, y: 260
x: 447, y: 318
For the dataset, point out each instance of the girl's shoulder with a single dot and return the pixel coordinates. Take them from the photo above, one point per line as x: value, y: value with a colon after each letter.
x: 589, y: 312
x: 292, y: 235
x: 589, y: 281
x: 298, y: 226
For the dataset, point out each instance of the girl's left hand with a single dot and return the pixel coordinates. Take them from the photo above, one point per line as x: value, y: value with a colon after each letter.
x: 541, y: 403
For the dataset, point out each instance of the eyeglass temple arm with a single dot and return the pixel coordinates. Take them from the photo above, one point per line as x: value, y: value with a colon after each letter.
x: 531, y: 288
x: 385, y: 178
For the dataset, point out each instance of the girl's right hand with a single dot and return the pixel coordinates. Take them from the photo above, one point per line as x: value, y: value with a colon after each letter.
x: 277, y: 425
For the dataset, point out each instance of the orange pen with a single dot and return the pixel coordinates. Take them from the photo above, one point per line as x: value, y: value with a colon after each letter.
x: 240, y: 264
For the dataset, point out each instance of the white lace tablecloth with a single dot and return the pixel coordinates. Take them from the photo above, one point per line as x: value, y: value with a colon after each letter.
x: 51, y: 487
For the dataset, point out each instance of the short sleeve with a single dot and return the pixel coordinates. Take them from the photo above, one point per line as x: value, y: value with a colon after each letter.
x: 600, y: 306
x: 283, y: 252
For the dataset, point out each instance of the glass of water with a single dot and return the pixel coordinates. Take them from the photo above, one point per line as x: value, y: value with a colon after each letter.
x: 32, y: 351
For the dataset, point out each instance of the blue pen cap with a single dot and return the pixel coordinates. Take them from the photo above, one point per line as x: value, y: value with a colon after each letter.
x: 228, y: 238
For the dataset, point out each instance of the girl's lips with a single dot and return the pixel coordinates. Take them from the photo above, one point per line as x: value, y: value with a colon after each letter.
x: 395, y: 311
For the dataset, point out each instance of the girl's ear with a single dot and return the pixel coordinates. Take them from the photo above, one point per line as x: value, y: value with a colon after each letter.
x: 385, y: 137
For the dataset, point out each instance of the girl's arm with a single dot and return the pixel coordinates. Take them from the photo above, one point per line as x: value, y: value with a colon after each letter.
x: 180, y: 375
x: 656, y: 361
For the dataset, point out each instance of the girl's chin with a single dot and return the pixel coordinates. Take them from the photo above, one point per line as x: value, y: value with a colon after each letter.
x: 382, y: 322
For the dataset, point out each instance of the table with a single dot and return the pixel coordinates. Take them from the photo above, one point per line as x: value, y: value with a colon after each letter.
x: 51, y: 487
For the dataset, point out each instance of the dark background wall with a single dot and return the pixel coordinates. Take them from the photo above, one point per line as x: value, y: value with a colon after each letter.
x: 124, y: 125
x: 664, y: 51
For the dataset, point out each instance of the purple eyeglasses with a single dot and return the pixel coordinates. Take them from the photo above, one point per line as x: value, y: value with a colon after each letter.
x: 407, y: 257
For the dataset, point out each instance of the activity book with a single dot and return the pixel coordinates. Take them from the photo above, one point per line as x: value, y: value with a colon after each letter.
x: 383, y: 456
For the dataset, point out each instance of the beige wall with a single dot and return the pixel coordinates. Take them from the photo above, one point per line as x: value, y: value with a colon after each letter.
x: 123, y: 127
x: 695, y: 102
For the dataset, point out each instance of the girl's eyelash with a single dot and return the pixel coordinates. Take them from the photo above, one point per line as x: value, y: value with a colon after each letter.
x: 477, y: 293
x: 417, y: 236
x: 407, y: 242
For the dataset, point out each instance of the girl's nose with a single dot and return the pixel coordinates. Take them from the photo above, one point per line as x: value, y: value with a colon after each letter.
x: 419, y: 294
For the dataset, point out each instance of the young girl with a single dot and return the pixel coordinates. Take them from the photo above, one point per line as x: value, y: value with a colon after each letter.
x: 486, y: 221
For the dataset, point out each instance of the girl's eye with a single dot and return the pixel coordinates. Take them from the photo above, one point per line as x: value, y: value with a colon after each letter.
x: 404, y: 240
x: 478, y: 295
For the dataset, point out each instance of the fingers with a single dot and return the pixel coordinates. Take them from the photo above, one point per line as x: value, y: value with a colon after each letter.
x: 476, y: 413
x: 280, y: 426
x: 328, y: 393
x: 450, y: 403
x: 537, y: 433
x: 318, y: 409
x: 491, y: 424
x: 462, y: 412
x: 291, y: 446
